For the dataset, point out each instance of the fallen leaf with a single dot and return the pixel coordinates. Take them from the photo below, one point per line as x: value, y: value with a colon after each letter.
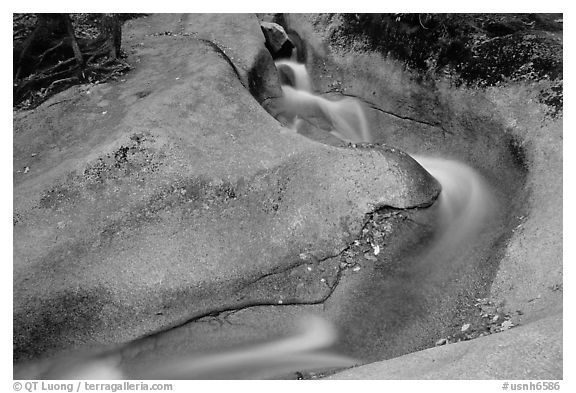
x: 506, y: 325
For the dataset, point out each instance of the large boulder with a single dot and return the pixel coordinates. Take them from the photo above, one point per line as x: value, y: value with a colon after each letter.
x: 277, y: 41
x: 142, y: 203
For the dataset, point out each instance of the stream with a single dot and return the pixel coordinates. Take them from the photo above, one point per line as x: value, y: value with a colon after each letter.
x: 379, y: 313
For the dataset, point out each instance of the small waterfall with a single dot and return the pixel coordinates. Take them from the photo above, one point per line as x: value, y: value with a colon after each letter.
x: 294, y: 74
x: 345, y: 116
x: 465, y: 200
x: 464, y: 204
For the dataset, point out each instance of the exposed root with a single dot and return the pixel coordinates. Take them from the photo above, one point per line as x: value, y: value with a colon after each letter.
x: 50, y: 50
x: 48, y: 63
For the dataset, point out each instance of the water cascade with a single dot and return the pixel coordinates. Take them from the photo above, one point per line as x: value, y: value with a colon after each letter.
x: 465, y: 200
x: 462, y: 210
x: 345, y: 116
x: 281, y: 357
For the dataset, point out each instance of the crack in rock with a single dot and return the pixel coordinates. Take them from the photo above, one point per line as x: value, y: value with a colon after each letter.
x: 310, y: 275
x: 401, y: 117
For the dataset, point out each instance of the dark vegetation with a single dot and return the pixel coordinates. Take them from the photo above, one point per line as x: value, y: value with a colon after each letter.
x: 54, y: 51
x: 472, y: 49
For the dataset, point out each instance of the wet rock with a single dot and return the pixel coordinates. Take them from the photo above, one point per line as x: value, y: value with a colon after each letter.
x: 478, y: 359
x: 277, y: 41
x: 176, y: 201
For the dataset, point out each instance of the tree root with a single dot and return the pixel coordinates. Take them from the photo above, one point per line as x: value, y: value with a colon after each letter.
x: 61, y: 81
x: 95, y: 59
x: 50, y: 50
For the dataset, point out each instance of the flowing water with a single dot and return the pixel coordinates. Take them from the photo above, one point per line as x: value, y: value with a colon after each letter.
x: 465, y: 200
x: 462, y: 211
x: 394, y: 310
x: 283, y: 356
x: 345, y: 116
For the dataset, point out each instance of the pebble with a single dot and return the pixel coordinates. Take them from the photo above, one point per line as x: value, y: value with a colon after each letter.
x: 506, y: 325
x: 442, y: 341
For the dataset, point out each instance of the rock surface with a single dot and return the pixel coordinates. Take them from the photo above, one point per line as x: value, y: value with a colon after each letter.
x: 277, y: 41
x: 159, y: 198
x: 507, y: 136
x: 528, y: 352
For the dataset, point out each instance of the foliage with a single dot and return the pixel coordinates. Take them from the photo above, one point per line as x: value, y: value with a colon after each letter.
x: 471, y: 49
x: 54, y: 51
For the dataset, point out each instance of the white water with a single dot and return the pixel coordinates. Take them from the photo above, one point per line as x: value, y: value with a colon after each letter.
x: 297, y: 72
x: 259, y: 361
x: 264, y: 361
x: 345, y: 116
x: 464, y: 204
x: 465, y: 201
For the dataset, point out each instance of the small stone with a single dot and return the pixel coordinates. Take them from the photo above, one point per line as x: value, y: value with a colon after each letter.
x: 309, y: 268
x: 26, y: 169
x: 376, y: 249
x: 33, y: 154
x: 442, y: 341
x: 356, y: 268
x: 280, y: 301
x: 495, y: 318
x: 506, y: 325
x: 322, y: 280
x: 465, y: 327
